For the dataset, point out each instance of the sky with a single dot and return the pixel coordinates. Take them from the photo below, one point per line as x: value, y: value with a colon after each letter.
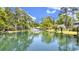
x: 38, y: 13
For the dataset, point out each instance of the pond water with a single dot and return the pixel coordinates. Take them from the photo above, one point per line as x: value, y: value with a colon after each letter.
x: 44, y: 41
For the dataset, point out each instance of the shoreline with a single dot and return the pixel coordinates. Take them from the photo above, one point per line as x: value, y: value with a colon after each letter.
x: 64, y: 32
x: 13, y: 31
x: 52, y: 30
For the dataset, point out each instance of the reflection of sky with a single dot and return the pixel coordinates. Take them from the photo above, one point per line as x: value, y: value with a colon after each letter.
x: 39, y: 45
x: 56, y: 43
x: 40, y: 12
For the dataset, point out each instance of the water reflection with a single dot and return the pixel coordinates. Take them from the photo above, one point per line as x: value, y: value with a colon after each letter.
x: 77, y: 40
x: 47, y: 37
x: 14, y: 41
x: 44, y: 41
x: 63, y: 42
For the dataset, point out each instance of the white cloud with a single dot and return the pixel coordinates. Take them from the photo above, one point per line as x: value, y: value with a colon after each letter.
x: 50, y: 12
x: 57, y: 8
x: 34, y: 18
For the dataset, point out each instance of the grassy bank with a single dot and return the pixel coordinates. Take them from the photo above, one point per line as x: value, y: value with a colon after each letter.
x: 64, y: 32
x: 52, y: 30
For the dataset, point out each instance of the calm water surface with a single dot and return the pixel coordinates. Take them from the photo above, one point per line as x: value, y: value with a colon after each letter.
x: 44, y: 41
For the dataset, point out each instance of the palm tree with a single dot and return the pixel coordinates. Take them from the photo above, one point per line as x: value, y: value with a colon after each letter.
x: 68, y: 10
x: 73, y: 11
x: 64, y: 10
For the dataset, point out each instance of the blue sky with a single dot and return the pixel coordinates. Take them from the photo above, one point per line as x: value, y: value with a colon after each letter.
x: 40, y: 12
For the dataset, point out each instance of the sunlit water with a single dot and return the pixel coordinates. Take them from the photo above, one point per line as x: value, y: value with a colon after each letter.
x: 44, y: 41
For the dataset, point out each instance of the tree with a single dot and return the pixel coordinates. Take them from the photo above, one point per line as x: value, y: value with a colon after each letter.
x: 3, y: 18
x: 64, y: 11
x: 61, y: 20
x: 23, y: 18
x: 10, y: 18
x: 47, y: 23
x: 77, y: 15
x: 15, y: 19
x: 73, y: 10
x: 67, y: 11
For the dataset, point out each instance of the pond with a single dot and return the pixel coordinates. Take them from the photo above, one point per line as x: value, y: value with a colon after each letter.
x: 43, y: 41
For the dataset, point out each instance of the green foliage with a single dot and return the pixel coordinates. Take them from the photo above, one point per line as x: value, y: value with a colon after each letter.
x: 47, y: 37
x: 17, y: 19
x: 3, y: 18
x: 14, y: 19
x: 61, y: 20
x: 77, y: 15
x: 47, y: 23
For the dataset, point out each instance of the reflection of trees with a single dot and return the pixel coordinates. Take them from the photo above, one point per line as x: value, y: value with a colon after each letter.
x: 77, y: 40
x: 63, y: 42
x: 32, y: 34
x: 15, y: 41
x: 23, y: 41
x: 7, y: 42
x: 47, y: 37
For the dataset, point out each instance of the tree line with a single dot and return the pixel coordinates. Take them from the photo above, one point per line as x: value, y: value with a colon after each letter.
x: 67, y: 17
x: 17, y: 19
x: 14, y: 19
